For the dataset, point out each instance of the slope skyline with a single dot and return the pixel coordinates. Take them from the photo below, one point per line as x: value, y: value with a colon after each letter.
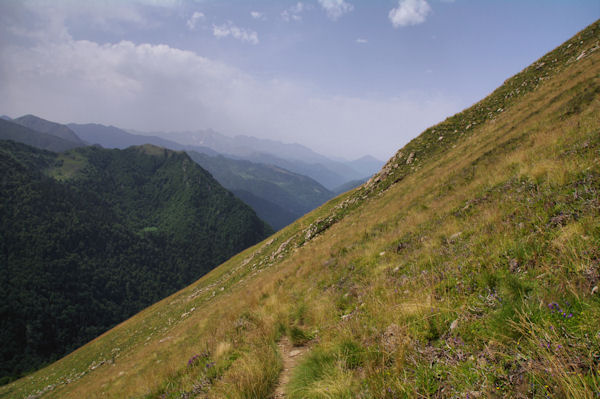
x: 345, y: 77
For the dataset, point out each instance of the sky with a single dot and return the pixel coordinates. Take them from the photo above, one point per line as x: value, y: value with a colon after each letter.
x: 346, y: 78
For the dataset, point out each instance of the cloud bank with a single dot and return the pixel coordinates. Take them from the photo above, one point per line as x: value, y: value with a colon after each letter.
x: 294, y: 13
x: 196, y: 16
x: 229, y: 29
x: 409, y: 12
x: 157, y: 87
x: 336, y: 8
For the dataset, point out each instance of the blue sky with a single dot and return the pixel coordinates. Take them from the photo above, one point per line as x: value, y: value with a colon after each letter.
x: 344, y: 77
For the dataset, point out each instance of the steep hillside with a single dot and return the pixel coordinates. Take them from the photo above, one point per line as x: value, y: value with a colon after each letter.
x: 44, y: 126
x: 467, y: 267
x: 91, y: 236
x: 293, y: 193
x: 21, y: 134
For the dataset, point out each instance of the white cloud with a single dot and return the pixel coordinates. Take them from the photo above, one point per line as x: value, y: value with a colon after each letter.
x: 409, y: 12
x: 257, y: 15
x: 361, y: 41
x: 336, y: 8
x: 196, y: 16
x: 294, y: 13
x: 152, y: 87
x: 229, y: 29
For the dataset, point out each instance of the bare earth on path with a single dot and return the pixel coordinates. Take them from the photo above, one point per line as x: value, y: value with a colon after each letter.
x: 291, y: 355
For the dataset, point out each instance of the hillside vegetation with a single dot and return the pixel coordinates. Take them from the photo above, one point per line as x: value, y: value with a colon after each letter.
x: 91, y: 236
x: 467, y: 267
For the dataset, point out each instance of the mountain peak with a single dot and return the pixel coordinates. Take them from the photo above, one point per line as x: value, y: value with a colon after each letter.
x: 154, y: 150
x: 48, y: 127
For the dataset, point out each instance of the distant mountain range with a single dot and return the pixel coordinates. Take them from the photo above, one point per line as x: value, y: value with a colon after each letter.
x: 113, y: 137
x: 55, y: 129
x: 9, y: 130
x: 281, y: 182
x: 278, y: 196
x: 293, y: 157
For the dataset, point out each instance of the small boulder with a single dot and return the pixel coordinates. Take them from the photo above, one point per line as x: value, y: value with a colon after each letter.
x: 454, y: 325
x: 513, y: 264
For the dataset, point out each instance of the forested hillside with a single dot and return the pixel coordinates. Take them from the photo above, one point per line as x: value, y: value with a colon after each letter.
x: 91, y: 236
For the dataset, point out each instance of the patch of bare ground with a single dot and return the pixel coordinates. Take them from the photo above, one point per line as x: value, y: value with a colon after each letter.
x: 291, y: 356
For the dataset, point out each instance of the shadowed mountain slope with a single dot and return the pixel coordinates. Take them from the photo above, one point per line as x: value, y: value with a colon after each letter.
x: 467, y: 267
x: 91, y: 236
x: 21, y: 134
x: 43, y: 126
x: 291, y: 192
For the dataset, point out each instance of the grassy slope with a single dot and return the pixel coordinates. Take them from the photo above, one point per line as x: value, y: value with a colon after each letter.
x: 441, y: 277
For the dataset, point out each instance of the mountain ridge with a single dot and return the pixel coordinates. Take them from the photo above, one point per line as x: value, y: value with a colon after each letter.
x: 45, y: 126
x: 22, y: 134
x: 294, y: 157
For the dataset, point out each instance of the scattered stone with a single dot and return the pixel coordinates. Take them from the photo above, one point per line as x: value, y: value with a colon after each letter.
x: 410, y: 158
x: 401, y: 246
x: 440, y: 138
x: 382, y: 253
x: 559, y: 220
x: 295, y: 352
x: 595, y: 290
x: 513, y: 264
x: 455, y: 236
x: 454, y: 325
x: 391, y: 338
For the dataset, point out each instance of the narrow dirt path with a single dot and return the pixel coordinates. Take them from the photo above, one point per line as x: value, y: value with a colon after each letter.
x: 291, y: 356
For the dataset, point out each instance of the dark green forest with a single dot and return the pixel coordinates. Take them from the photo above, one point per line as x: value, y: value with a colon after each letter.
x: 91, y: 236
